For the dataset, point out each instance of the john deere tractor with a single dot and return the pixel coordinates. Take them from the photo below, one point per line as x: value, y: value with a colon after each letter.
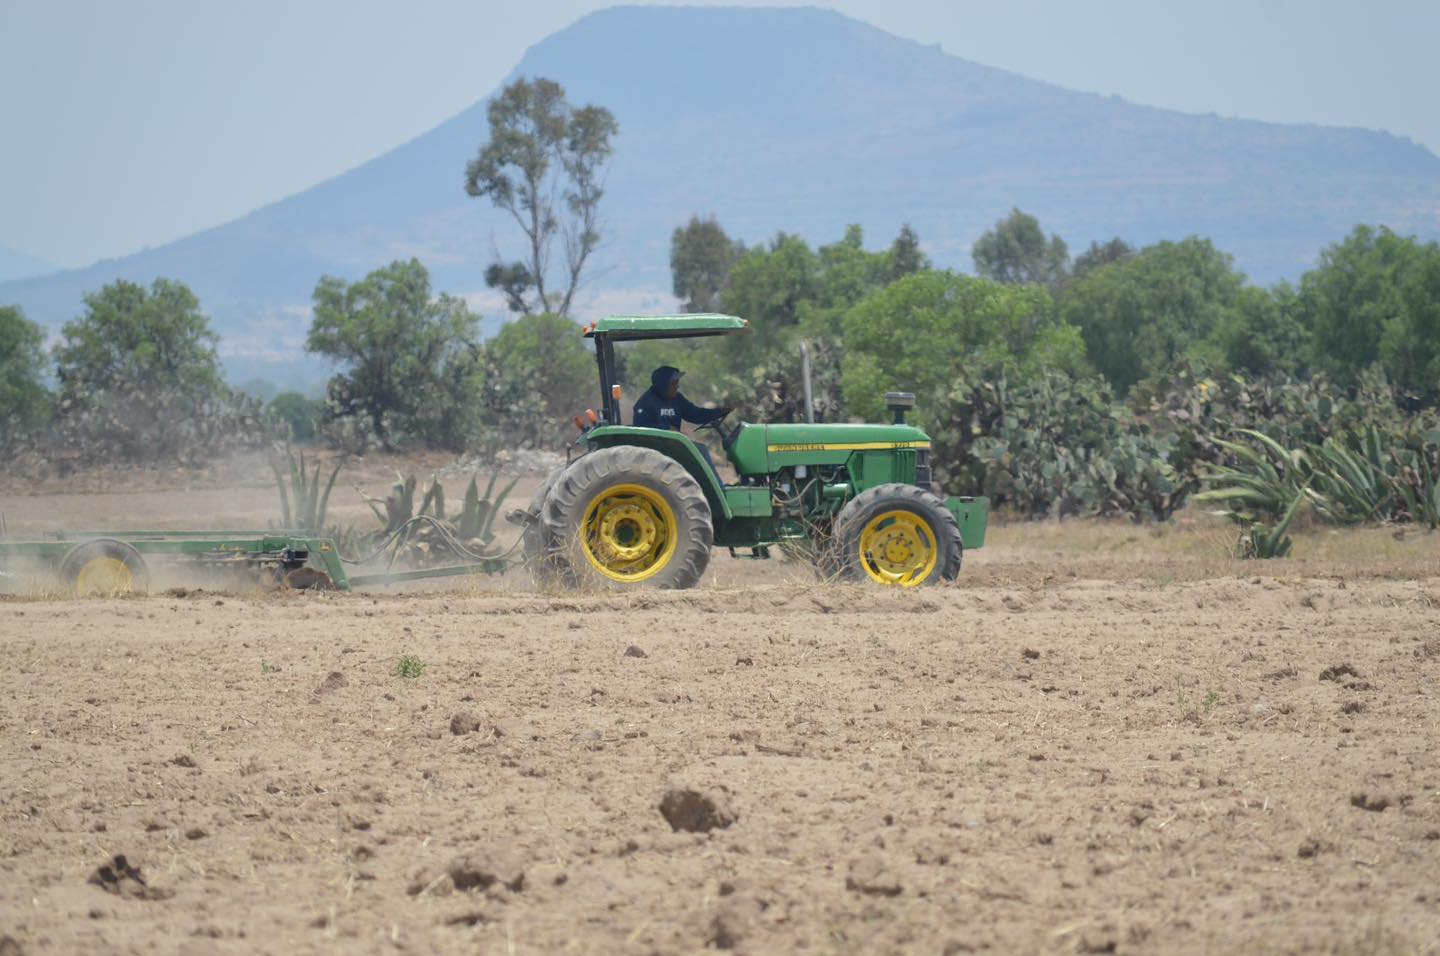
x: 641, y: 506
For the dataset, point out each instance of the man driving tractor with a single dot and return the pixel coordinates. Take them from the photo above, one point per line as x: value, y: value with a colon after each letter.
x: 662, y: 406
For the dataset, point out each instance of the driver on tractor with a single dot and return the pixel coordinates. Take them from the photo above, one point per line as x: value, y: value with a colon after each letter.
x: 662, y: 406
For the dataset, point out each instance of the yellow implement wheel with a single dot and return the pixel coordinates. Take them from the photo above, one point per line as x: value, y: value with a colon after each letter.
x: 104, y: 576
x: 629, y: 533
x: 105, y: 566
x: 898, y: 547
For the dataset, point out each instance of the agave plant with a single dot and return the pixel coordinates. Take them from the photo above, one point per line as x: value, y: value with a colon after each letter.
x: 1351, y: 486
x: 304, y: 487
x: 443, y: 536
x: 1265, y: 481
x: 477, y: 515
x: 1260, y: 540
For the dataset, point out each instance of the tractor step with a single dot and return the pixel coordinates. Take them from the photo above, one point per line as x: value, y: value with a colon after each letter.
x: 761, y: 553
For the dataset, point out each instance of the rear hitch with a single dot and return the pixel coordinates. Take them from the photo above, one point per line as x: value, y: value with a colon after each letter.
x: 523, y: 517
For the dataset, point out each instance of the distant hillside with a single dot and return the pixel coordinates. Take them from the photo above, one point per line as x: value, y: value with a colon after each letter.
x: 803, y: 120
x: 15, y: 264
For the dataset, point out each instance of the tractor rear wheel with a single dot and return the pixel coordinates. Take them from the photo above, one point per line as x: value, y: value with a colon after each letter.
x: 105, y: 566
x: 547, y: 566
x: 627, y: 516
x: 897, y: 535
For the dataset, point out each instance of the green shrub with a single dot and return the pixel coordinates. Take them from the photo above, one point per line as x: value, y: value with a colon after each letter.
x: 1052, y: 444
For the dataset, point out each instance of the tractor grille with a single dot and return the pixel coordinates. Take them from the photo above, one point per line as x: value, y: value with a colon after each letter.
x: 922, y: 469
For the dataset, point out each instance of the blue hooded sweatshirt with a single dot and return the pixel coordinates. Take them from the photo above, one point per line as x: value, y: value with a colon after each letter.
x: 654, y: 410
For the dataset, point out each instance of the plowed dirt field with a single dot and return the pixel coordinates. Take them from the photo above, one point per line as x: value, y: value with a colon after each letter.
x: 1099, y: 740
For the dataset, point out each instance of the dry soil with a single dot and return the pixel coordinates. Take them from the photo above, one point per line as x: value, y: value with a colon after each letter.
x: 1100, y: 740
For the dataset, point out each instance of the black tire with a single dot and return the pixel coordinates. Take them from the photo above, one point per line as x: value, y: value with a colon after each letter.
x: 547, y: 566
x: 935, y: 523
x: 684, y: 551
x: 84, y: 563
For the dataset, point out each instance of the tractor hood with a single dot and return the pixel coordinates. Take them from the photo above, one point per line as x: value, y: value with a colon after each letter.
x: 761, y: 449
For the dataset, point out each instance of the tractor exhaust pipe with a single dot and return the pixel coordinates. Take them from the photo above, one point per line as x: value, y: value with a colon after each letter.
x: 805, y: 377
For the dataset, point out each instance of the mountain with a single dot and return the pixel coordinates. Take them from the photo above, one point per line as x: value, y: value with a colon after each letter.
x: 15, y: 264
x: 803, y: 120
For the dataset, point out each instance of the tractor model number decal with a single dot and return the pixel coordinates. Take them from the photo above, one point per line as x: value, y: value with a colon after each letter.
x: 850, y: 446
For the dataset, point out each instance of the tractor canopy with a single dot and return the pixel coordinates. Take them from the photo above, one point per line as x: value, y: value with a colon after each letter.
x: 632, y: 328
x: 635, y: 328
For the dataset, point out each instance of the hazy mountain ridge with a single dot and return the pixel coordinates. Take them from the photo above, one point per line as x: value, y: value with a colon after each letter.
x: 802, y: 120
x: 15, y: 264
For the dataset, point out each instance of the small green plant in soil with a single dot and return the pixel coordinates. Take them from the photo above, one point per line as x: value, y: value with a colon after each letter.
x: 409, y: 666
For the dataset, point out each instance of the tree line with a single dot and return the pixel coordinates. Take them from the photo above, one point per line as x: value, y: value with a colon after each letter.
x: 1057, y: 384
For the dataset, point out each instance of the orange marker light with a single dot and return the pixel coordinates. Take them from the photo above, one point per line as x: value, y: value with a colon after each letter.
x: 590, y: 416
x: 615, y: 392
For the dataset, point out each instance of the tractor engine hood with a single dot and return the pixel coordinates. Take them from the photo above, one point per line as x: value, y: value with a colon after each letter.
x: 761, y: 449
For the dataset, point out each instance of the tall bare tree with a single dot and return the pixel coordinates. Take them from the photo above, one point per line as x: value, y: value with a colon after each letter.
x: 544, y: 165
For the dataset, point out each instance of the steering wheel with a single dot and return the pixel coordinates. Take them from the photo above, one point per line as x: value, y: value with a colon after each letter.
x: 718, y: 426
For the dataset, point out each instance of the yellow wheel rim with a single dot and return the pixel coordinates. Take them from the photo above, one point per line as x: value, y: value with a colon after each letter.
x: 104, y: 576
x: 629, y: 533
x: 899, y: 548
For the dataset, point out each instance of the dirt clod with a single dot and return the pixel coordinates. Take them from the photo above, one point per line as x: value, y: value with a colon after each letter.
x: 1374, y: 803
x: 464, y: 722
x: 735, y: 921
x: 635, y: 650
x: 1030, y: 654
x: 1338, y: 671
x: 184, y: 760
x: 121, y: 878
x: 333, y: 681
x: 696, y: 812
x: 482, y: 869
x: 869, y: 875
x: 10, y: 946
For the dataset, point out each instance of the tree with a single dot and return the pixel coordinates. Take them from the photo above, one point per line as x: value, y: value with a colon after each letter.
x: 1142, y: 314
x: 539, y: 375
x: 25, y: 403
x: 1410, y: 339
x: 1358, y: 288
x: 1262, y: 332
x: 409, y: 359
x: 1099, y: 256
x: 701, y: 256
x: 541, y: 148
x: 905, y: 255
x: 139, y: 375
x: 1016, y: 252
x: 297, y: 416
x: 915, y: 334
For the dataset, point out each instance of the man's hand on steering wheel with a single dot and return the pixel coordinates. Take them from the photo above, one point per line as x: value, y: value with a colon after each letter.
x: 717, y: 424
x: 716, y: 421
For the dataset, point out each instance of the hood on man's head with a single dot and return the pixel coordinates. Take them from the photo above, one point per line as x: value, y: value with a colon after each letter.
x: 661, y: 378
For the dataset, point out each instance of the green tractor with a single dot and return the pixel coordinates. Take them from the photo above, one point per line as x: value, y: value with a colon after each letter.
x: 641, y: 506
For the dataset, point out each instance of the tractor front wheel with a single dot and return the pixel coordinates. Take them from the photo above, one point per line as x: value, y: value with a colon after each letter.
x: 627, y: 516
x: 897, y: 535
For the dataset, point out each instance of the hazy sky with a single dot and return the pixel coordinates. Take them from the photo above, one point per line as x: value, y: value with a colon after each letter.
x: 129, y: 124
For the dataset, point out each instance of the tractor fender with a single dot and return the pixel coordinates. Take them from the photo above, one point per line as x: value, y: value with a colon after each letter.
x: 671, y: 444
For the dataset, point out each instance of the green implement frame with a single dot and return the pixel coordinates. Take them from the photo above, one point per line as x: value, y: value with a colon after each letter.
x: 260, y: 550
